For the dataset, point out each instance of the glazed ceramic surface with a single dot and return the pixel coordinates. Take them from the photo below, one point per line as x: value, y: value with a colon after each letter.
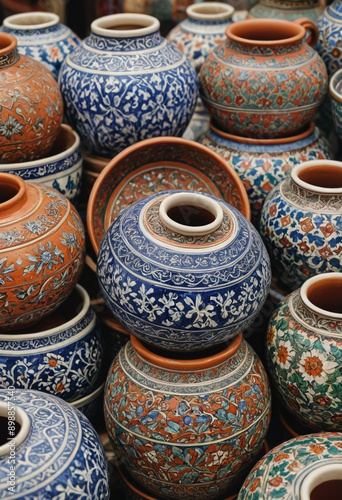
x: 155, y: 165
x: 335, y: 92
x: 294, y: 468
x: 262, y: 164
x: 329, y: 44
x: 301, y: 222
x: 64, y: 360
x: 304, y: 347
x: 186, y: 432
x: 91, y: 405
x: 31, y: 105
x: 61, y: 169
x: 289, y: 10
x: 176, y: 286
x: 124, y: 85
x: 42, y: 246
x: 43, y: 37
x: 265, y: 80
x: 57, y: 452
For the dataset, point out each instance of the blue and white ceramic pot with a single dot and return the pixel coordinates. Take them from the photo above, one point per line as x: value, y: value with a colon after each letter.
x: 43, y: 37
x: 183, y: 270
x: 263, y: 163
x: 307, y: 467
x: 186, y: 427
x: 48, y: 450
x: 335, y: 93
x: 61, y: 169
x: 92, y: 406
x: 61, y: 355
x: 290, y: 10
x: 301, y: 223
x: 329, y: 44
x: 304, y: 348
x: 126, y: 83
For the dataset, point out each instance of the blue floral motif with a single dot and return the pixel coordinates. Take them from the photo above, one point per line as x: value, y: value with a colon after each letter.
x: 329, y: 44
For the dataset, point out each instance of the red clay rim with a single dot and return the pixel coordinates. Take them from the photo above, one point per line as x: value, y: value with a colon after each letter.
x: 156, y: 140
x: 16, y: 183
x: 8, y: 43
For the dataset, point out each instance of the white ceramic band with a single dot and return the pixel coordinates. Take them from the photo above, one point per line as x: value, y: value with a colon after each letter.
x: 20, y: 416
x: 210, y: 11
x: 304, y: 166
x: 328, y: 472
x: 325, y: 277
x: 31, y: 20
x: 105, y: 26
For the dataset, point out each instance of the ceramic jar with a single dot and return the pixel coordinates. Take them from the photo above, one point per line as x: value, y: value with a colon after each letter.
x: 304, y: 468
x: 61, y: 355
x: 330, y: 31
x: 183, y: 270
x: 42, y: 246
x: 263, y: 163
x: 265, y: 80
x: 55, y: 453
x: 304, y: 347
x: 42, y: 36
x: 187, y: 427
x: 126, y: 83
x: 289, y: 10
x: 335, y: 92
x: 61, y: 168
x: 31, y: 105
x: 301, y: 222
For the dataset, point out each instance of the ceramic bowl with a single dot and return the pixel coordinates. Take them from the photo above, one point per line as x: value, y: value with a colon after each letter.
x: 61, y: 355
x: 155, y: 165
x: 60, y: 169
x: 335, y: 90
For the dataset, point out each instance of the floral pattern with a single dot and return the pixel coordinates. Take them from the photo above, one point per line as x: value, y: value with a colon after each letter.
x: 329, y: 45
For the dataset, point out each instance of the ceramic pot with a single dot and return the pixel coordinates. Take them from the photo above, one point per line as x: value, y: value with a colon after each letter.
x: 304, y: 468
x: 263, y: 163
x: 42, y: 36
x: 31, y: 105
x: 54, y: 442
x: 335, y: 92
x: 304, y: 346
x: 187, y: 427
x: 61, y: 169
x: 265, y: 80
x: 126, y: 83
x: 42, y: 245
x: 61, y: 355
x: 301, y: 223
x: 183, y: 270
x: 289, y: 10
x: 329, y: 44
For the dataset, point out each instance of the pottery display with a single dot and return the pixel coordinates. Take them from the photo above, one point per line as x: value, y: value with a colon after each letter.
x: 304, y: 468
x: 55, y: 453
x: 187, y: 427
x: 304, y: 347
x: 126, y: 83
x: 335, y: 92
x: 289, y: 10
x: 264, y: 80
x: 262, y: 163
x: 329, y: 44
x: 61, y: 355
x: 184, y: 270
x: 42, y: 36
x: 61, y: 168
x: 154, y: 165
x: 31, y: 105
x: 42, y: 246
x: 301, y: 222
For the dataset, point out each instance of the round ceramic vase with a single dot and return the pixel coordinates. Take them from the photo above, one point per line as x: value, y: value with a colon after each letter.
x: 335, y: 93
x: 304, y: 347
x: 264, y: 80
x: 187, y: 428
x: 263, y: 163
x: 304, y: 468
x: 301, y: 222
x: 289, y: 9
x: 42, y: 36
x: 55, y: 454
x: 126, y: 83
x: 42, y: 247
x: 183, y: 270
x: 61, y: 355
x: 31, y: 105
x: 61, y: 169
x: 329, y: 44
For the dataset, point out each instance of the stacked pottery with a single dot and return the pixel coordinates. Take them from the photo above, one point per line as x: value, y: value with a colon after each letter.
x: 187, y: 401
x: 263, y: 86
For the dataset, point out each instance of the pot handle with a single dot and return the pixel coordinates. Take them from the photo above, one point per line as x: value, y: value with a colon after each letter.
x: 311, y: 27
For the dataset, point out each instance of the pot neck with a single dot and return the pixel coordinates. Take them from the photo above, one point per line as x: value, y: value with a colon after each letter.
x: 19, y: 430
x: 13, y: 195
x: 322, y: 295
x: 8, y: 50
x: 320, y: 177
x: 322, y: 482
x: 209, y: 12
x: 31, y: 21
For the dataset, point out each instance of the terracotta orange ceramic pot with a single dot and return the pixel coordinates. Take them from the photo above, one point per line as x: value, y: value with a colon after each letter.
x: 31, y: 105
x: 42, y: 247
x: 265, y: 80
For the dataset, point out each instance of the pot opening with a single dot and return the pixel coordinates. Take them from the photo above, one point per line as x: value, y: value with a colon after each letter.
x: 64, y: 141
x: 8, y: 430
x: 266, y: 31
x: 29, y: 19
x: 209, y: 11
x: 324, y: 482
x: 125, y: 24
x: 7, y: 43
x: 190, y: 215
x: 323, y: 176
x: 328, y: 489
x: 326, y: 294
x: 14, y: 425
x: 8, y: 191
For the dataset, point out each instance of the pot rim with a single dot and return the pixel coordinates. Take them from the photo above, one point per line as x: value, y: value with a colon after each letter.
x: 45, y: 20
x: 334, y: 80
x: 21, y: 417
x: 205, y: 11
x: 311, y: 282
x: 8, y: 43
x: 103, y: 26
x: 186, y: 365
x: 297, y: 169
x: 326, y: 472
